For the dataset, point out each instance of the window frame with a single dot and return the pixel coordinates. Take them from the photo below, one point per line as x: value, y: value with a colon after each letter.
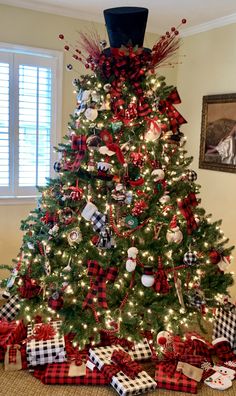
x: 33, y: 57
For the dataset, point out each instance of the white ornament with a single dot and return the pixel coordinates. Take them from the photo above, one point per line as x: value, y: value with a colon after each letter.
x: 164, y: 199
x: 85, y: 95
x: 147, y: 280
x: 88, y: 211
x: 130, y: 265
x: 91, y: 114
x: 104, y: 150
x: 164, y: 336
x: 158, y: 174
x: 30, y: 245
x: 174, y: 235
x: 132, y: 252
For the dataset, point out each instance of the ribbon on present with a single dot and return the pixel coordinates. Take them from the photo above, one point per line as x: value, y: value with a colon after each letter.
x: 121, y: 362
x: 166, y: 106
x: 185, y: 207
x: 42, y: 332
x: 161, y: 284
x: 98, y: 286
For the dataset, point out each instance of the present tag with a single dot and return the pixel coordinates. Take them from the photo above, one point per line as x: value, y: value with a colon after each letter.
x: 12, y: 361
x: 77, y: 371
x: 190, y: 371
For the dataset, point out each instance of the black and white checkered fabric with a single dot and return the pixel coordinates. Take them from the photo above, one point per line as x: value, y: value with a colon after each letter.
x: 98, y: 219
x: 141, y: 350
x: 124, y: 385
x: 42, y: 352
x: 190, y: 258
x: 10, y: 310
x: 191, y: 175
x: 225, y: 324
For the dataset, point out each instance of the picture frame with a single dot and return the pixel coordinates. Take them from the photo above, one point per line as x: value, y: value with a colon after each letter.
x: 218, y: 133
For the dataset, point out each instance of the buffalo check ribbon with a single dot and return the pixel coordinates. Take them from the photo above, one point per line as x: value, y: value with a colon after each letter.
x: 13, y: 352
x: 185, y: 207
x: 121, y: 362
x: 166, y: 106
x: 98, y: 286
x: 78, y: 143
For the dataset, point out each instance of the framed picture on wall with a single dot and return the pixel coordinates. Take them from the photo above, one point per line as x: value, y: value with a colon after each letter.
x: 218, y: 133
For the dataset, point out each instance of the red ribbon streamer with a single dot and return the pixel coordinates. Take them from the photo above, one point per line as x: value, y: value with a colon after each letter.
x: 161, y: 284
x: 166, y: 106
x: 98, y: 286
x: 185, y: 207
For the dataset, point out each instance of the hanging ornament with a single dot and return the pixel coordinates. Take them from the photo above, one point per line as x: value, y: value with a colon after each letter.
x: 190, y: 258
x: 161, y: 282
x: 54, y: 230
x: 178, y: 287
x: 103, y: 44
x: 131, y: 221
x: 174, y: 235
x: 11, y: 280
x: 196, y: 298
x: 95, y: 239
x: 76, y: 192
x: 131, y: 261
x: 164, y: 199
x: 91, y: 114
x: 91, y: 165
x: 129, y: 197
x: 69, y: 67
x: 30, y: 245
x: 158, y: 174
x: 68, y: 267
x: 47, y: 267
x: 119, y: 193
x: 56, y: 301
x: 88, y: 211
x: 154, y: 130
x: 74, y: 236
x: 106, y: 240
x: 147, y: 278
x: 137, y: 158
x: 214, y: 256
x: 139, y: 207
x: 29, y: 288
x: 93, y: 142
x: 164, y: 338
x: 57, y: 166
x: 191, y: 175
x: 67, y: 216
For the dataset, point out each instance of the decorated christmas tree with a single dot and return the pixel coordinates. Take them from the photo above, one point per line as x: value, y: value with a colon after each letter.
x: 119, y: 238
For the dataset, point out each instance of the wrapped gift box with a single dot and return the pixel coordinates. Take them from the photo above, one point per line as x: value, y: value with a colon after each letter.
x: 10, y: 333
x: 166, y: 378
x: 225, y: 324
x: 48, y: 351
x: 57, y: 374
x: 10, y: 310
x: 121, y: 382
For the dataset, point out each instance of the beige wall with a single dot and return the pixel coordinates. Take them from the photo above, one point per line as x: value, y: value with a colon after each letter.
x: 26, y: 27
x: 209, y: 68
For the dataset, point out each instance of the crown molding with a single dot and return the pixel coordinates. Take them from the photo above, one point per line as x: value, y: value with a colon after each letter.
x: 204, y: 27
x: 73, y: 13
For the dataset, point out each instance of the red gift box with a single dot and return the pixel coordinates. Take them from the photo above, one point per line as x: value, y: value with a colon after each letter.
x: 10, y: 333
x: 167, y: 377
x: 57, y: 374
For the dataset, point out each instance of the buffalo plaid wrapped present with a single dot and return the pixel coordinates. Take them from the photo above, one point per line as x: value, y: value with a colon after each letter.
x: 168, y: 377
x: 10, y: 333
x: 45, y: 349
x: 58, y: 374
x: 125, y: 375
x: 10, y: 310
x: 225, y: 324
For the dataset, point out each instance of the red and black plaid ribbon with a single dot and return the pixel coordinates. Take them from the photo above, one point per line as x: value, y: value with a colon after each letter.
x: 166, y: 106
x: 50, y: 218
x: 78, y: 143
x: 121, y: 362
x: 185, y: 207
x: 12, y: 353
x: 161, y: 284
x: 98, y: 286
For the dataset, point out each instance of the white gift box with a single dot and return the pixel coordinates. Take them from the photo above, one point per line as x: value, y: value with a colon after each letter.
x: 49, y: 351
x: 121, y: 382
x: 140, y: 351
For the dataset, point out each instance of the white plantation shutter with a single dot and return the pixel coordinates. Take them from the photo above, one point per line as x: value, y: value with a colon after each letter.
x: 27, y: 119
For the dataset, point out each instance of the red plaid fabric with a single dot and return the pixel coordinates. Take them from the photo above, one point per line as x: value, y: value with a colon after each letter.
x: 201, y: 348
x: 78, y: 142
x: 190, y: 334
x: 166, y: 106
x: 16, y: 333
x: 223, y: 350
x: 170, y: 380
x: 161, y: 282
x: 12, y: 354
x: 126, y: 364
x: 57, y: 374
x: 98, y: 287
x: 185, y: 207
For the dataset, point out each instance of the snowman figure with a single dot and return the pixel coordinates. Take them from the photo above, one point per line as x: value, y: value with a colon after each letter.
x: 174, y: 235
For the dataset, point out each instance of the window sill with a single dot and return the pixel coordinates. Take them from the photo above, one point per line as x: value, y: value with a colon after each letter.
x: 14, y: 200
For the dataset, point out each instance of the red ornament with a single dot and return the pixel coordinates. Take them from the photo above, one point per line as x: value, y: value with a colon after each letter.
x: 139, y: 207
x: 162, y: 340
x: 215, y: 257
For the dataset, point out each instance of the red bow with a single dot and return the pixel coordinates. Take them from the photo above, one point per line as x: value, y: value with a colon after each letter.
x: 6, y: 327
x: 98, y: 286
x: 49, y: 218
x: 29, y: 288
x: 166, y: 106
x: 122, y: 362
x: 186, y: 210
x: 42, y: 332
x: 76, y: 192
x: 78, y: 142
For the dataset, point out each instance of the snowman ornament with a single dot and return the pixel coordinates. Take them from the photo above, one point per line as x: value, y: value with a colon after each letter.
x: 131, y: 261
x: 174, y: 235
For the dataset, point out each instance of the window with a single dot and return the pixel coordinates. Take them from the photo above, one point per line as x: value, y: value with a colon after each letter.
x: 30, y: 86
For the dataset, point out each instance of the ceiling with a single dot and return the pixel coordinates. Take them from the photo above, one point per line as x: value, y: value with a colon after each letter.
x: 201, y: 15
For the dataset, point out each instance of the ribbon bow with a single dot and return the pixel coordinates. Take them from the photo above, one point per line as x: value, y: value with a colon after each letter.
x: 98, y: 286
x: 186, y: 210
x: 166, y: 106
x: 43, y: 332
x: 6, y: 327
x: 125, y: 363
x: 78, y: 142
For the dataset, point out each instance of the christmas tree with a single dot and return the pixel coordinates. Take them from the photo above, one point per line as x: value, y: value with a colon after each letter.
x: 119, y: 237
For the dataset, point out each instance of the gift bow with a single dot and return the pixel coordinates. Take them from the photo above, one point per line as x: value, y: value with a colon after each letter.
x: 6, y: 327
x: 121, y: 362
x: 43, y: 332
x: 170, y: 363
x: 98, y: 286
x: 185, y: 207
x: 166, y: 106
